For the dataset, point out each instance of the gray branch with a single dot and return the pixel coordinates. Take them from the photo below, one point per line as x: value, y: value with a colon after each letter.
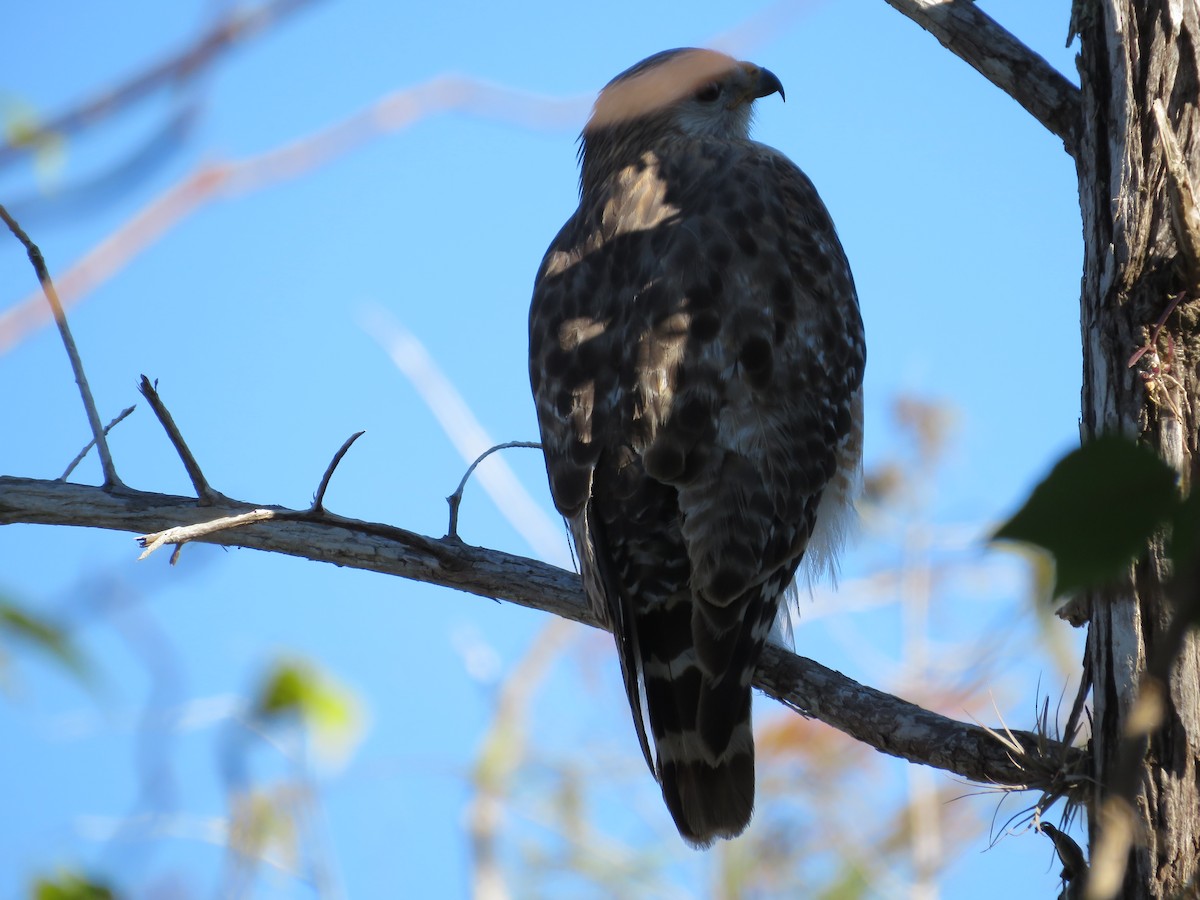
x: 1005, y: 758
x: 975, y: 37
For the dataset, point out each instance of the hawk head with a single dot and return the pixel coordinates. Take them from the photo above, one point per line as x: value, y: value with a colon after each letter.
x: 683, y: 93
x: 695, y: 92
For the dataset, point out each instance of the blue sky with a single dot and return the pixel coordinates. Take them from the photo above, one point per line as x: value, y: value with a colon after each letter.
x: 958, y: 213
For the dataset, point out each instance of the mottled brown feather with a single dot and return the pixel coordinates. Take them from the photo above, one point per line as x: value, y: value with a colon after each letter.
x: 696, y: 357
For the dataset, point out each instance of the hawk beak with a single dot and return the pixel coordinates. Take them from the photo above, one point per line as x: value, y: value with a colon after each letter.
x: 767, y: 84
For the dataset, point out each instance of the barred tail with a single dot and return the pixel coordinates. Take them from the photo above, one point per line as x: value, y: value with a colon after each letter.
x: 710, y: 795
x: 698, y: 671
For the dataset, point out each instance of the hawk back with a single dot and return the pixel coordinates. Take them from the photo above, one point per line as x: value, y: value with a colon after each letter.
x: 696, y: 358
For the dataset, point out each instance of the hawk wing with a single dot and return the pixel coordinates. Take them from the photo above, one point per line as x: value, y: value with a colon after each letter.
x: 696, y: 357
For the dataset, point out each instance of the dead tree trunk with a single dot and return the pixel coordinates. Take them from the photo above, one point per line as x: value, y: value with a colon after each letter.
x: 1140, y: 265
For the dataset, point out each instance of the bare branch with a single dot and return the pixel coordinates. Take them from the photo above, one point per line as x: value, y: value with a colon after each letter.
x: 237, y: 26
x: 455, y: 499
x: 885, y: 722
x: 976, y: 38
x: 217, y: 180
x: 204, y: 492
x: 60, y: 317
x: 903, y: 729
x: 319, y: 498
x: 79, y: 457
x: 464, y: 430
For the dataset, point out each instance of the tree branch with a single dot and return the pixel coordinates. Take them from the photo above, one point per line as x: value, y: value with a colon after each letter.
x: 82, y: 454
x: 189, y: 62
x: 1011, y: 759
x: 975, y: 37
x: 111, y: 480
x: 204, y: 490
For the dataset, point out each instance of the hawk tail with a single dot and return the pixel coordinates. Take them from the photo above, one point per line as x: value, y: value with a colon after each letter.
x: 687, y: 663
x: 699, y: 706
x: 709, y: 796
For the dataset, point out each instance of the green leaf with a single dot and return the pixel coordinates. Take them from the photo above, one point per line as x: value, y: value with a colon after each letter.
x: 25, y: 627
x: 1095, y: 511
x: 69, y: 886
x: 1185, y: 556
x: 328, y: 709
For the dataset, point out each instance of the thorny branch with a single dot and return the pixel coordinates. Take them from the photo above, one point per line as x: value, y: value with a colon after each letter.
x: 976, y: 38
x: 318, y: 505
x: 884, y: 722
x: 204, y: 493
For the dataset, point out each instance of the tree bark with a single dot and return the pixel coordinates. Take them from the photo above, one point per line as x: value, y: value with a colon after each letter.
x: 1135, y: 52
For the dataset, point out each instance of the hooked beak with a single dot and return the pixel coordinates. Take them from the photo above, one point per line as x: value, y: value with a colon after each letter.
x: 764, y: 83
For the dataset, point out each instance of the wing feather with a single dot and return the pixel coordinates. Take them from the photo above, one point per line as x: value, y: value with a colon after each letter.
x: 696, y: 357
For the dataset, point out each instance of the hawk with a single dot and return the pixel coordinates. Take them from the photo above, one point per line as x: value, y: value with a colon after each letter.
x: 696, y: 356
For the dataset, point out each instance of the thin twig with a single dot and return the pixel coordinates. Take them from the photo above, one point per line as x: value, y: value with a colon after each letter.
x: 318, y: 505
x: 462, y: 427
x: 976, y: 38
x: 455, y: 499
x: 204, y: 492
x: 181, y: 534
x: 60, y: 317
x: 214, y: 180
x: 1152, y: 341
x: 174, y: 70
x: 92, y: 443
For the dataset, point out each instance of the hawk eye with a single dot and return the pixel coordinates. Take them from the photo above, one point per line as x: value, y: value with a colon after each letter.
x: 709, y: 92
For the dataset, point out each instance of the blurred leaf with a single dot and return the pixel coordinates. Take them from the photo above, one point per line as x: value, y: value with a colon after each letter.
x: 19, y: 125
x: 69, y: 886
x: 850, y: 884
x: 24, y: 627
x: 1185, y: 555
x: 1095, y: 511
x: 330, y: 711
x: 929, y: 423
x: 263, y: 827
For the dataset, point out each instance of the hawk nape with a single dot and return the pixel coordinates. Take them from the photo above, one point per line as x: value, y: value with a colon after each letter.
x: 696, y: 354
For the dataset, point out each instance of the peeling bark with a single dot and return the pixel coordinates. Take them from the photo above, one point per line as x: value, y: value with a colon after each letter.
x: 1135, y: 52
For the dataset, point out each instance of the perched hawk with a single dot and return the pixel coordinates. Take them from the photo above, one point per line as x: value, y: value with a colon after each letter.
x: 696, y: 354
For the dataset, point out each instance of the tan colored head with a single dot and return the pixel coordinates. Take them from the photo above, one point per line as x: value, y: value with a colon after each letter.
x: 696, y: 92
